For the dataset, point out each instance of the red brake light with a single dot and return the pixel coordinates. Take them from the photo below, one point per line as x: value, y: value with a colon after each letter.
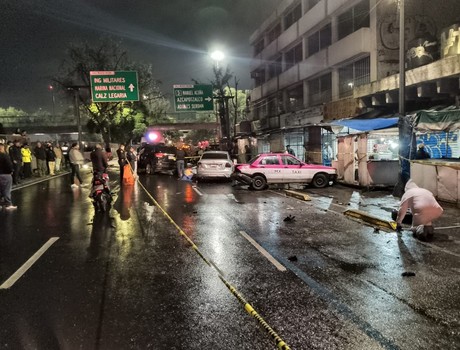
x: 159, y: 155
x: 228, y: 165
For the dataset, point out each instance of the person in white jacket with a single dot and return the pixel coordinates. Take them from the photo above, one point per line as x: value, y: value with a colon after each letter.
x: 76, y: 161
x: 424, y: 208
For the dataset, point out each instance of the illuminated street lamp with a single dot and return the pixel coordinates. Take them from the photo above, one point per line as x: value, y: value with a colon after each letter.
x: 223, y: 112
x: 217, y: 56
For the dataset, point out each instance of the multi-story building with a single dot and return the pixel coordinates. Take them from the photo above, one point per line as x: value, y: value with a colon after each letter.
x: 316, y: 61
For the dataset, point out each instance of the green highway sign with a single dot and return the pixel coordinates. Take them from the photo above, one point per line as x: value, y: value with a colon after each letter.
x: 111, y: 86
x: 193, y: 98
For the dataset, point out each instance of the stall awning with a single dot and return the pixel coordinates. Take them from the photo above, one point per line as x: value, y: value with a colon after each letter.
x: 437, y: 120
x: 367, y: 124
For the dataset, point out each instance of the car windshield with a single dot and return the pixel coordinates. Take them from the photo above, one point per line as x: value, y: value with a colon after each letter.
x: 214, y: 156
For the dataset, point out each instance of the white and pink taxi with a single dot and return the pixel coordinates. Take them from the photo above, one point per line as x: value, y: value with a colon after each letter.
x: 282, y: 168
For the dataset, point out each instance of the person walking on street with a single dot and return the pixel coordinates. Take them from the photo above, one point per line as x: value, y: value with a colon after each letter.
x: 76, y: 161
x: 6, y: 180
x: 16, y: 159
x: 58, y: 152
x: 122, y: 160
x: 65, y: 153
x: 180, y: 162
x: 40, y: 155
x: 247, y: 153
x: 99, y: 160
x: 26, y: 161
x: 51, y: 158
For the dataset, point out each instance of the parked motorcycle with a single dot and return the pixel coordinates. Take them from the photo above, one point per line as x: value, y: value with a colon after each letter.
x: 100, y: 192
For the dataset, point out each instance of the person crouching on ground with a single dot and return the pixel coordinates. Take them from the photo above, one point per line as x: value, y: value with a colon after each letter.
x: 424, y: 208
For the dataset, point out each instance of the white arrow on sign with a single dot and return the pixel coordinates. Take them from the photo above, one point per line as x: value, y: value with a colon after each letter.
x: 209, y: 99
x: 131, y: 87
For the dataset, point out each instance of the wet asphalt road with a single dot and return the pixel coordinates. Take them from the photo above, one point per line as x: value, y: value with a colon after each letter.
x: 129, y: 280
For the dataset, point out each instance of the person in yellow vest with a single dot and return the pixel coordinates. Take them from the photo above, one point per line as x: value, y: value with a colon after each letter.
x: 26, y: 161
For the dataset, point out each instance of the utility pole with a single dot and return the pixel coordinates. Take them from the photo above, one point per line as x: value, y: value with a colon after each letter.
x: 404, y: 127
x: 76, y: 94
x: 236, y: 108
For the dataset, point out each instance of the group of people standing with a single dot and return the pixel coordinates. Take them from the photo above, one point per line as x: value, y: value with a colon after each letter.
x: 49, y: 159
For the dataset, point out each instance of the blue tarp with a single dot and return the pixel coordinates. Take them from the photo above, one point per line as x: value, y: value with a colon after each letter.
x: 367, y: 124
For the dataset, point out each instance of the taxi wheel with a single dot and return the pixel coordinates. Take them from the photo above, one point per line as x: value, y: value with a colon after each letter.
x: 320, y: 181
x: 259, y: 183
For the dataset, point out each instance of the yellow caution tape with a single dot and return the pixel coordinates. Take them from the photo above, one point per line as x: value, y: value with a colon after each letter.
x: 249, y: 309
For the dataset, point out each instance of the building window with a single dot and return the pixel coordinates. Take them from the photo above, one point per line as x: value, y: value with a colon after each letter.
x: 258, y: 76
x: 292, y: 16
x: 311, y: 4
x: 293, y: 56
x: 320, y: 90
x: 319, y: 40
x: 258, y: 47
x: 274, y: 68
x: 355, y: 18
x: 274, y: 33
x: 274, y: 122
x: 355, y: 74
x: 295, y: 98
x: 272, y: 106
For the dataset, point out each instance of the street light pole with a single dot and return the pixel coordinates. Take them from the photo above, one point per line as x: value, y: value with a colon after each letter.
x: 404, y: 127
x: 402, y: 66
x: 51, y: 88
x: 76, y: 92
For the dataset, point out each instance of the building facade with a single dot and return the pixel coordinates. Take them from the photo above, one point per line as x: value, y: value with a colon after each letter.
x: 316, y: 61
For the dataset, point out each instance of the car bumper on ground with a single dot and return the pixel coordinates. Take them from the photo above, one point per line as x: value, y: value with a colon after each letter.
x: 243, y: 178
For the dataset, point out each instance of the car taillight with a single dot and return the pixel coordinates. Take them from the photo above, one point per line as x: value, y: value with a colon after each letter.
x: 199, y: 163
x: 228, y: 165
x: 158, y: 155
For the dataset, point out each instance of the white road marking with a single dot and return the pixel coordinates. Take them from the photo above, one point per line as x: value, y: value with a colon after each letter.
x: 263, y: 251
x: 232, y: 196
x: 28, y: 264
x: 197, y: 190
x: 445, y: 228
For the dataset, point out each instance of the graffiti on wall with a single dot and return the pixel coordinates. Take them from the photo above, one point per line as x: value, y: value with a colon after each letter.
x: 441, y: 144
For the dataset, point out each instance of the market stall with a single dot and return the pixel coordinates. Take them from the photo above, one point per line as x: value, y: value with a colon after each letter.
x: 367, y: 151
x: 439, y: 131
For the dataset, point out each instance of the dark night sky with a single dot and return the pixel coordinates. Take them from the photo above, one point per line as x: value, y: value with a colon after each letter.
x: 174, y: 36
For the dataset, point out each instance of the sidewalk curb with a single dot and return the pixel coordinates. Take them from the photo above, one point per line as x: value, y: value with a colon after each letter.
x: 39, y: 180
x: 362, y: 215
x: 298, y: 195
